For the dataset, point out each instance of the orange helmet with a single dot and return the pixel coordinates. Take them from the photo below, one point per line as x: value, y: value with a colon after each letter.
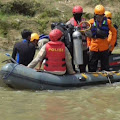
x: 34, y: 36
x: 99, y: 10
x: 108, y: 14
x: 55, y: 35
x: 77, y: 9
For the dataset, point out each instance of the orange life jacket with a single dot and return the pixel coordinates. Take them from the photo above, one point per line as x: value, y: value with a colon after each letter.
x: 98, y: 44
x: 55, y: 57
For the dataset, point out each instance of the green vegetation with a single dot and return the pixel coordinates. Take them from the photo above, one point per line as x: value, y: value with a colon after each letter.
x: 116, y: 21
x: 103, y: 2
x: 37, y: 15
x: 22, y: 7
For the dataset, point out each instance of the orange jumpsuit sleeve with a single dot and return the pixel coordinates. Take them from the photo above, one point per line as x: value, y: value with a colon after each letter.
x: 91, y: 21
x: 88, y: 42
x: 109, y: 37
x: 112, y: 34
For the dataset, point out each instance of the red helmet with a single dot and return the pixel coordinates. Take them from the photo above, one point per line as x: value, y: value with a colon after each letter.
x: 77, y: 9
x: 55, y: 35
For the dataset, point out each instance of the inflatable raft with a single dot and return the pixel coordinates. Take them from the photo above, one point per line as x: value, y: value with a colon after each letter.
x: 21, y: 77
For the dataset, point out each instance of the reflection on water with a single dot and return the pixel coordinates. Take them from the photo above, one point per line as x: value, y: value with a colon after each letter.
x: 92, y: 103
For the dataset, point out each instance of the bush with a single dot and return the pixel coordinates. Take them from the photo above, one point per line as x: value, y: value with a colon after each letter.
x: 103, y: 2
x: 4, y: 26
x: 23, y: 7
x: 116, y: 20
x: 42, y: 25
x: 88, y: 16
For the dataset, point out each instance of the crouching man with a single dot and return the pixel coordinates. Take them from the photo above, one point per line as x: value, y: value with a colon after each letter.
x: 58, y: 58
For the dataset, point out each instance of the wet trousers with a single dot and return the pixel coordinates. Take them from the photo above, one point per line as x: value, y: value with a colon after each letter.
x: 93, y: 60
x: 85, y: 62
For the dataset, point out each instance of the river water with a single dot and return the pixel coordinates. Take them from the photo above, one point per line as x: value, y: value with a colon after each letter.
x: 91, y: 103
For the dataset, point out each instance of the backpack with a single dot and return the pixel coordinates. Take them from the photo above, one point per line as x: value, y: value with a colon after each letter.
x: 67, y: 31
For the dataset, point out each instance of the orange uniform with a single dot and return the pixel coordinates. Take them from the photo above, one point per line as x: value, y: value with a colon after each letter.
x: 111, y: 41
x: 98, y: 44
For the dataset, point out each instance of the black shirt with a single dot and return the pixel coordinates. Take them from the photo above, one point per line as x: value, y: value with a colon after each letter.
x: 25, y: 52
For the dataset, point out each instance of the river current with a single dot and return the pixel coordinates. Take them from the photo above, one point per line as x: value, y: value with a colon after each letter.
x: 89, y: 103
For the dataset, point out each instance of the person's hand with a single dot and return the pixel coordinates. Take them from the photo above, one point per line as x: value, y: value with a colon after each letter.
x: 109, y: 52
x: 37, y: 69
x: 89, y: 48
x: 88, y: 33
x: 23, y: 65
x: 73, y: 73
x: 110, y: 47
x: 70, y: 26
x: 98, y: 30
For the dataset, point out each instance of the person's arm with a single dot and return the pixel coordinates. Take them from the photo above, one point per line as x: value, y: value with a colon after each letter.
x: 68, y: 23
x: 88, y: 42
x: 42, y: 42
x: 113, y: 38
x: 109, y: 37
x: 91, y: 21
x: 32, y: 54
x: 68, y: 62
x: 14, y: 52
x: 39, y: 66
x: 111, y: 47
x: 39, y: 58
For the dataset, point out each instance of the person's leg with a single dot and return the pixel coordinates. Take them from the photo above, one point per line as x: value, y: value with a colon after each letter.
x: 104, y: 57
x: 82, y: 68
x: 85, y: 61
x: 93, y: 61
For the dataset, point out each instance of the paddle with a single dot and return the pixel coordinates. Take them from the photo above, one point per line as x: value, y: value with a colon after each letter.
x: 8, y: 55
x: 85, y: 26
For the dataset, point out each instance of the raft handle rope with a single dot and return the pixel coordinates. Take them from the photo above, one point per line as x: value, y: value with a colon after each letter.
x: 87, y: 26
x: 6, y: 76
x: 108, y: 75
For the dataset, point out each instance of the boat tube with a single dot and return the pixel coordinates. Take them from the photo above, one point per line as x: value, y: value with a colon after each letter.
x: 21, y: 77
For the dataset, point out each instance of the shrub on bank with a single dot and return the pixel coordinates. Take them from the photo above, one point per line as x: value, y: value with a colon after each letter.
x: 116, y: 20
x: 103, y: 2
x: 36, y: 15
x: 24, y: 7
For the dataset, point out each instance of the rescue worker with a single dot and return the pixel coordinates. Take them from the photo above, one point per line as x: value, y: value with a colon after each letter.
x: 43, y: 39
x: 75, y: 21
x: 24, y: 51
x: 34, y: 39
x: 58, y: 58
x: 113, y: 42
x: 98, y: 43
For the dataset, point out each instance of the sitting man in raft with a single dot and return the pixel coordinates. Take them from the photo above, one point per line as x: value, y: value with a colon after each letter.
x: 58, y: 58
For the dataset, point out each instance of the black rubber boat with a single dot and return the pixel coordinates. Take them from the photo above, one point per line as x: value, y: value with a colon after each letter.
x: 20, y: 77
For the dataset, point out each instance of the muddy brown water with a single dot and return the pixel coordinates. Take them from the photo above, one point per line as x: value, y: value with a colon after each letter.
x: 91, y: 103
